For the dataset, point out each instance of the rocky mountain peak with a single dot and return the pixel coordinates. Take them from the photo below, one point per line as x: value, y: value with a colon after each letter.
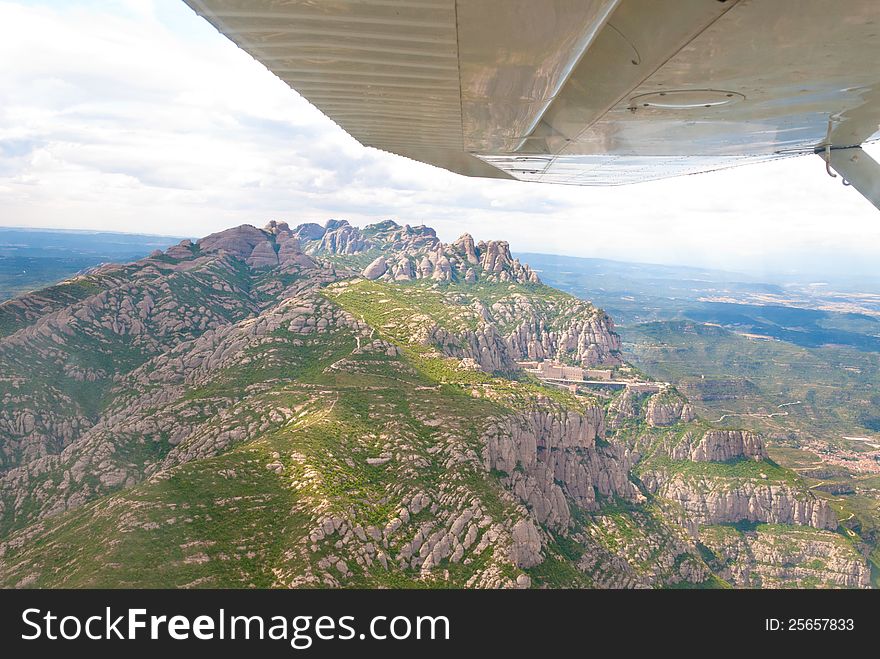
x: 333, y: 225
x: 384, y: 226
x: 337, y: 237
x: 465, y: 243
x: 309, y: 231
x: 417, y: 253
x: 271, y: 246
x: 239, y: 241
x: 277, y: 228
x: 402, y: 252
x: 390, y: 236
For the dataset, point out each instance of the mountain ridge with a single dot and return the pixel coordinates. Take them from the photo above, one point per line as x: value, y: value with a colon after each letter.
x: 273, y: 408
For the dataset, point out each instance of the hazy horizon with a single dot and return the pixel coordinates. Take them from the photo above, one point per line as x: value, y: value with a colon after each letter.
x: 869, y: 282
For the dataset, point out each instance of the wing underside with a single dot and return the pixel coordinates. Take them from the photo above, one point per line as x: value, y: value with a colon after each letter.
x: 584, y: 92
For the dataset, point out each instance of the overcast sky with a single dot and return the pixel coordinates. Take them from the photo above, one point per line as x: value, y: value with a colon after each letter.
x: 136, y: 115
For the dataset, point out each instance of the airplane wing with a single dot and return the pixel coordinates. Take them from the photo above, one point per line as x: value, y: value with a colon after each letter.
x: 584, y: 92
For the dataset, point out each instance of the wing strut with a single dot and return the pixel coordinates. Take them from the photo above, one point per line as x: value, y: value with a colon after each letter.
x: 857, y: 168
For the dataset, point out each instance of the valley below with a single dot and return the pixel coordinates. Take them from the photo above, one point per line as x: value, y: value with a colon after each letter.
x: 798, y: 362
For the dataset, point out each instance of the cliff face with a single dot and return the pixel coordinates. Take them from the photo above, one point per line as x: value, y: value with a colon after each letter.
x: 588, y: 341
x: 664, y: 410
x: 779, y: 557
x: 724, y: 445
x: 593, y: 343
x: 694, y: 443
x: 723, y: 476
x: 442, y: 262
x: 623, y: 411
x: 719, y: 480
x: 484, y: 346
x: 549, y: 457
x: 722, y: 501
x: 579, y: 332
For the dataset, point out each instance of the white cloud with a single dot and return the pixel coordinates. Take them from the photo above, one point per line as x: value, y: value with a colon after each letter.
x: 136, y: 115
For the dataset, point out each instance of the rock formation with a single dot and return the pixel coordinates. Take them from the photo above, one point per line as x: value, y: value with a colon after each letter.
x: 665, y: 409
x: 419, y: 254
x: 724, y: 445
x: 723, y: 501
x: 550, y: 457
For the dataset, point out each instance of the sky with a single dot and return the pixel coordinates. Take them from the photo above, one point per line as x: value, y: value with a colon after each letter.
x: 137, y: 116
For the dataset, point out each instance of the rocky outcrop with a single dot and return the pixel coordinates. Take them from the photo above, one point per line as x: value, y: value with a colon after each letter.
x: 239, y: 242
x: 579, y: 334
x: 724, y: 445
x: 290, y: 254
x: 465, y: 244
x: 725, y: 501
x: 269, y: 247
x: 263, y: 255
x: 416, y: 253
x: 484, y: 345
x: 623, y: 409
x: 340, y: 237
x: 525, y: 549
x: 699, y: 445
x: 785, y: 557
x: 549, y: 457
x: 33, y: 427
x: 376, y: 269
x: 183, y: 250
x: 664, y: 410
x: 496, y: 261
x: 309, y: 232
x: 408, y: 252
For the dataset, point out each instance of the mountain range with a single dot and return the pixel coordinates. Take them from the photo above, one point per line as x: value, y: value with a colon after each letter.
x: 330, y: 406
